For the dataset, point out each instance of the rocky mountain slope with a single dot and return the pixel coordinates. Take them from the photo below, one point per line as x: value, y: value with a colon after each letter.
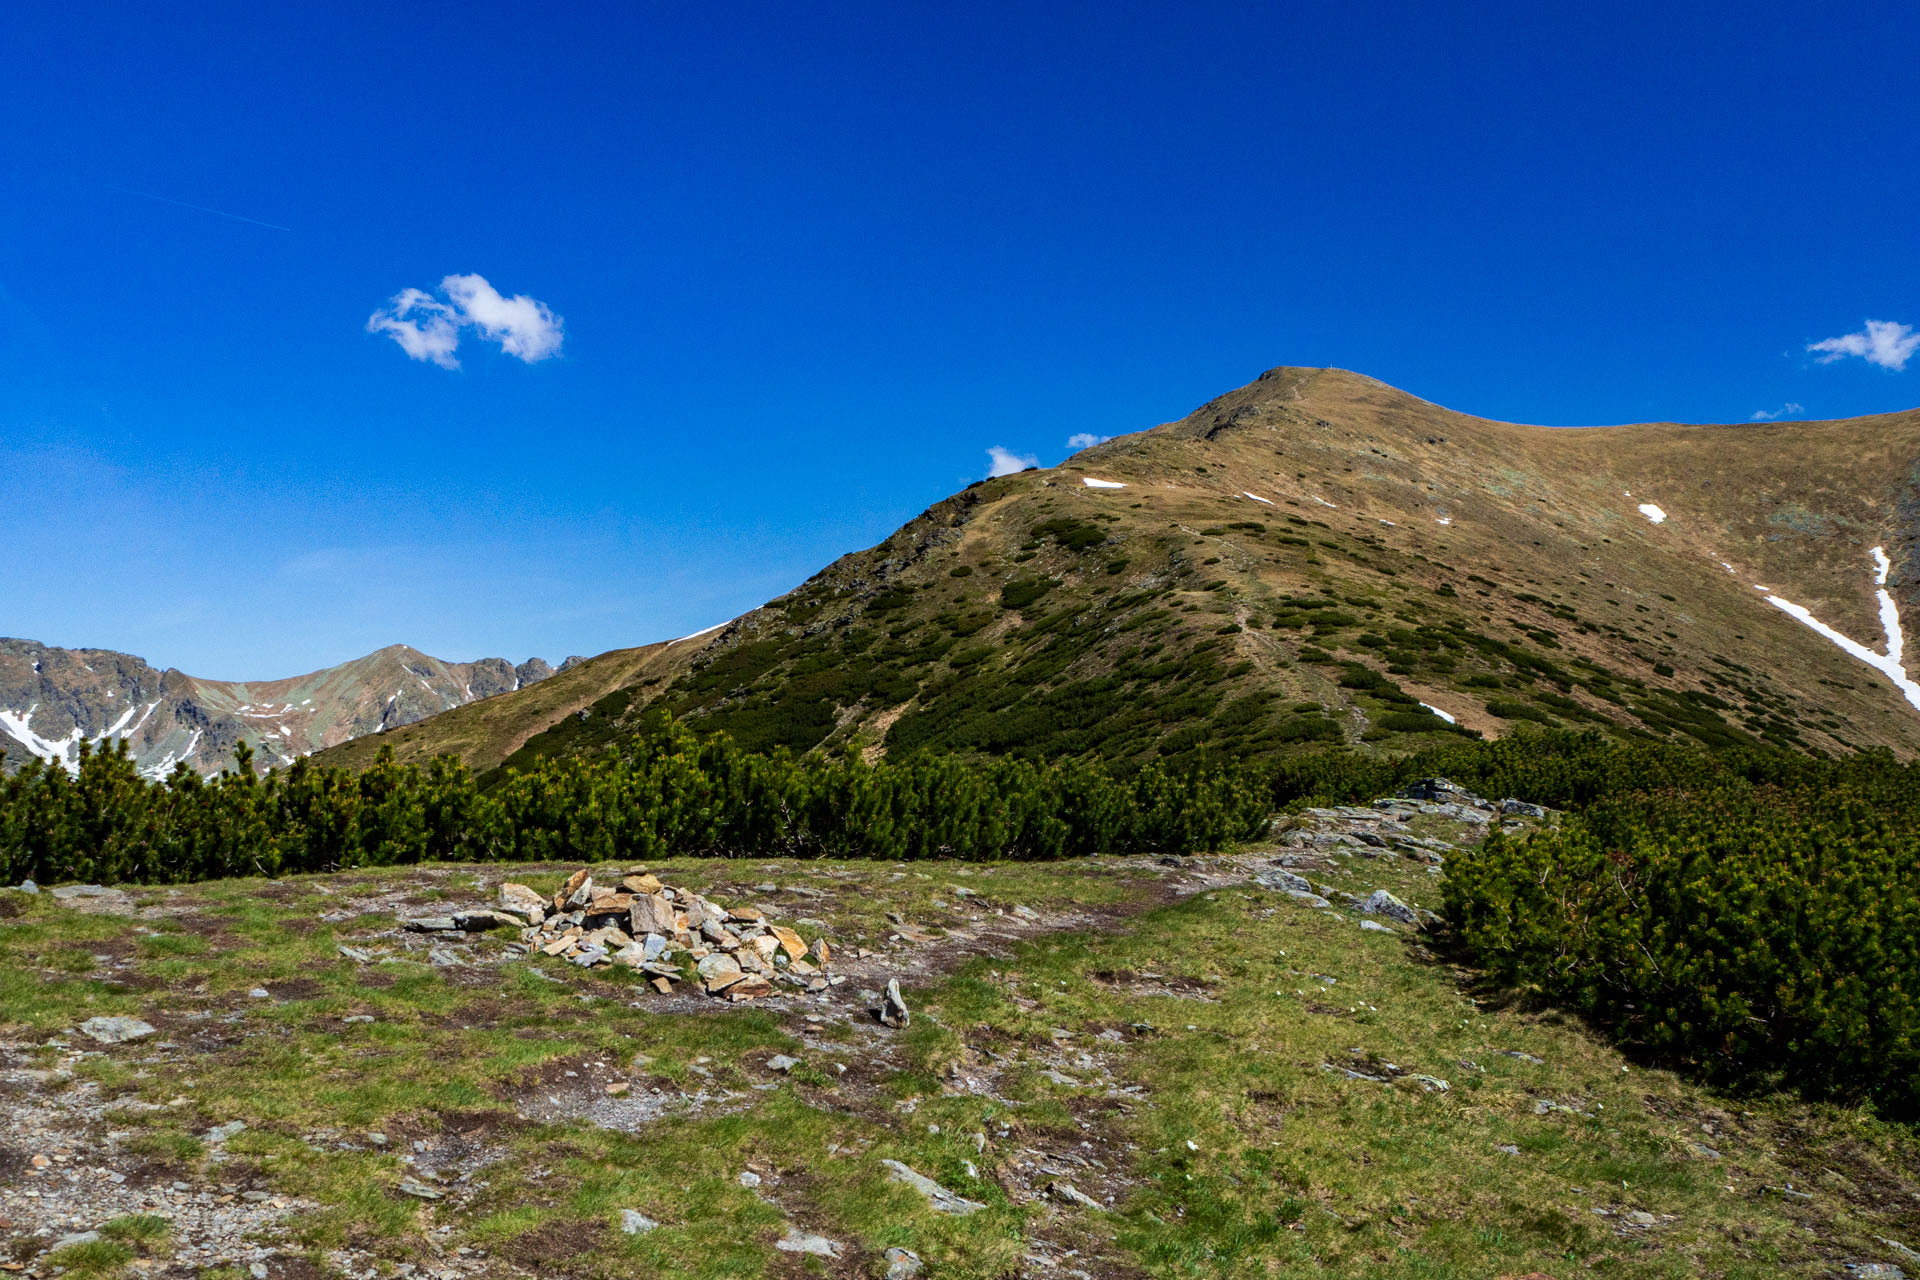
x: 52, y: 700
x: 1317, y: 558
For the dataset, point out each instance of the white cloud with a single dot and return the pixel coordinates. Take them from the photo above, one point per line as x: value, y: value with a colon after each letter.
x: 1086, y: 440
x: 524, y: 327
x: 1788, y: 410
x: 433, y: 336
x: 428, y: 327
x: 1005, y: 463
x: 1886, y: 343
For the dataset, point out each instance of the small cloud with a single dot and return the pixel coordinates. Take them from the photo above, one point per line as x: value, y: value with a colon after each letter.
x: 1005, y: 463
x: 428, y: 327
x: 1886, y: 343
x: 422, y: 326
x: 1086, y: 440
x: 1787, y: 410
x: 524, y: 328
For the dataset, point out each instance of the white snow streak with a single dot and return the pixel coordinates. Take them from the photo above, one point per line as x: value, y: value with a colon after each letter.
x: 158, y: 770
x: 1437, y: 711
x: 119, y: 724
x: 1323, y: 502
x: 1091, y: 483
x: 1256, y: 497
x: 696, y: 635
x: 1443, y: 519
x: 1653, y: 513
x: 1888, y: 664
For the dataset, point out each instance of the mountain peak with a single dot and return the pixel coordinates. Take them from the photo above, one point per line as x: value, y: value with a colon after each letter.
x: 1319, y: 556
x: 52, y: 700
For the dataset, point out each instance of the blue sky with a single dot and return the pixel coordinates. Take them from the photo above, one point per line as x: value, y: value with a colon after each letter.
x: 786, y: 273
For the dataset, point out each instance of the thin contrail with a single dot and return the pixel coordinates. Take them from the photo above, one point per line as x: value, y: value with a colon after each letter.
x: 199, y: 208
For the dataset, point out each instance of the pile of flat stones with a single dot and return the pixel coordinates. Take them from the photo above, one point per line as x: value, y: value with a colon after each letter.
x: 667, y: 934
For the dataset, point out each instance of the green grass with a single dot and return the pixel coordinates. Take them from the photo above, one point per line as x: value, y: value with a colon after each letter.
x: 144, y: 1230
x: 1176, y: 1061
x: 94, y: 1258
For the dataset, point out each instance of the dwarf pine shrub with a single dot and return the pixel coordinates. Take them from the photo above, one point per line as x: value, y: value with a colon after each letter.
x: 664, y: 791
x: 1752, y: 932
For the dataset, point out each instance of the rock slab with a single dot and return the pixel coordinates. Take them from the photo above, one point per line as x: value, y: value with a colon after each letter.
x: 115, y: 1030
x: 941, y: 1199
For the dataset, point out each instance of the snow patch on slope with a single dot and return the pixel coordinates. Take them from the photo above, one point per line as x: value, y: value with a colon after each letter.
x: 1091, y: 483
x: 1890, y: 663
x: 1653, y: 514
x: 64, y: 751
x: 696, y: 635
x: 159, y: 769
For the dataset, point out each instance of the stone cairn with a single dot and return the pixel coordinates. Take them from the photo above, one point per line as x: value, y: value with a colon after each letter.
x: 735, y: 952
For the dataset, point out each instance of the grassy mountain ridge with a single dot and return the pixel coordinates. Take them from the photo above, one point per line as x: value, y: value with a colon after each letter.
x: 485, y: 733
x: 1317, y: 557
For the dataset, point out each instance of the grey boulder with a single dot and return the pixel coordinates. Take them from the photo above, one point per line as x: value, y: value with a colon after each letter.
x: 115, y: 1030
x: 1382, y: 903
x: 1283, y: 880
x: 893, y: 1008
x: 1067, y: 1193
x: 798, y: 1241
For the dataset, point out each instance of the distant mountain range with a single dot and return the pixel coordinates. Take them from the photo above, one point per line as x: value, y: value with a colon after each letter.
x: 52, y: 700
x: 1317, y: 558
